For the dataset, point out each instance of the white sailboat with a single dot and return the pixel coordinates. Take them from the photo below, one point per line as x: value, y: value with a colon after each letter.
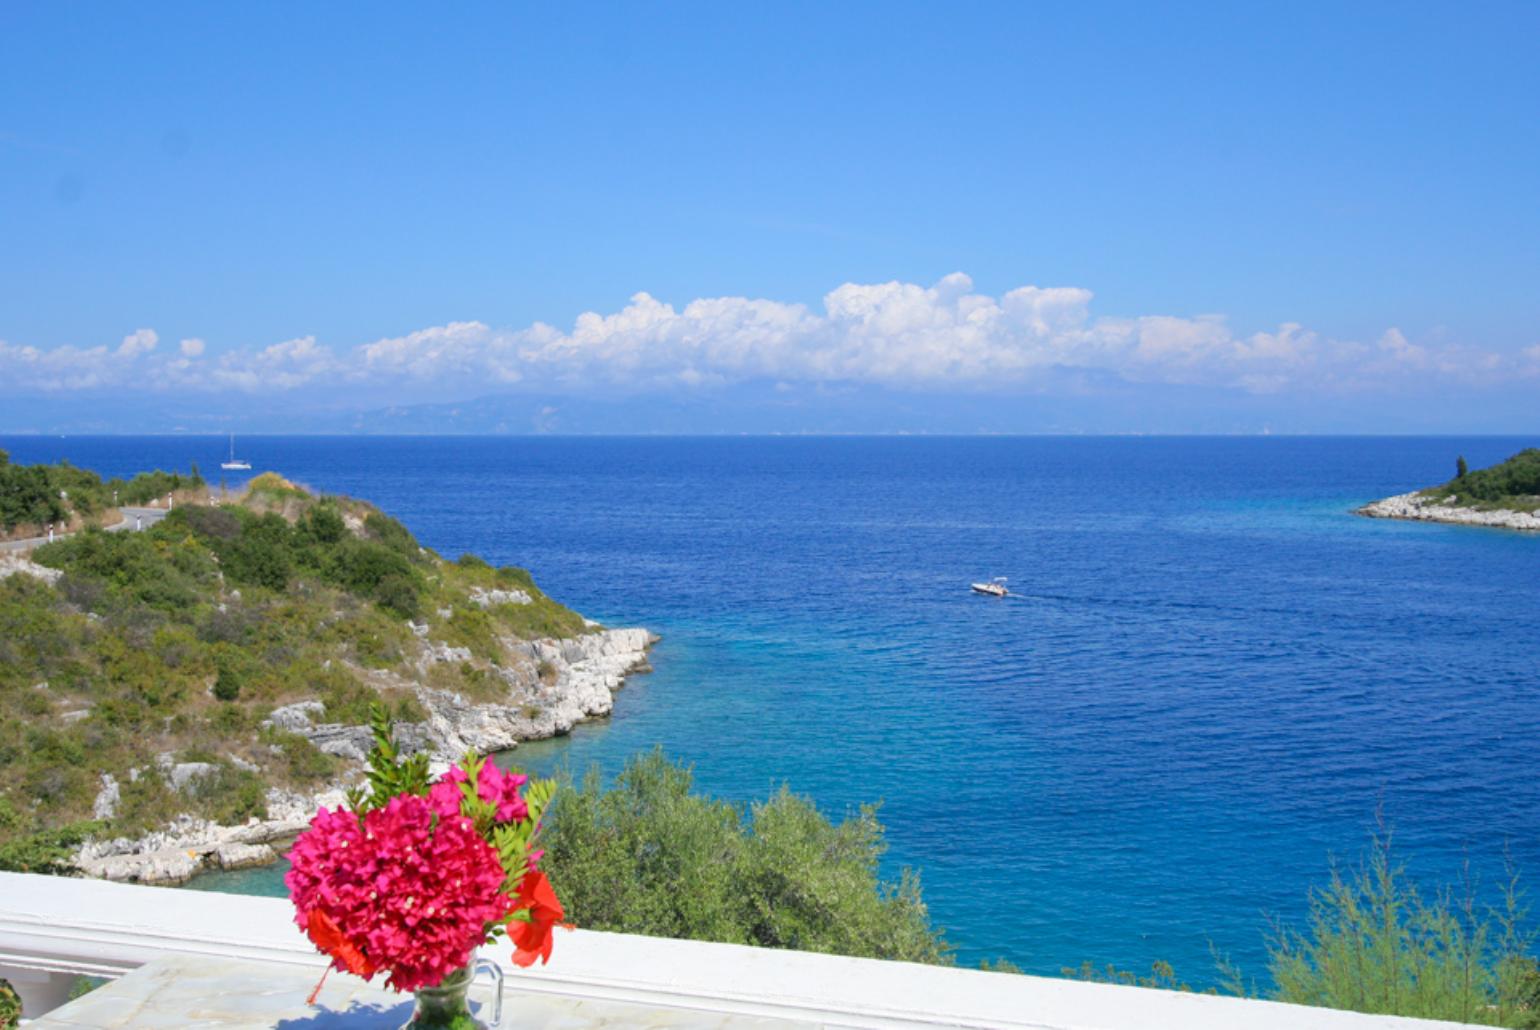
x: 234, y: 464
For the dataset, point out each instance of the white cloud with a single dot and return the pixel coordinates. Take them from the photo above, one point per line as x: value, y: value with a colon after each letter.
x: 62, y: 368
x: 282, y: 366
x: 457, y: 348
x: 140, y: 341
x: 897, y: 335
x: 1530, y: 367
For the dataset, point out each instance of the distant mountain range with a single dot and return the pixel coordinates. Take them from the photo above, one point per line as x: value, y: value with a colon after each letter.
x: 1084, y: 406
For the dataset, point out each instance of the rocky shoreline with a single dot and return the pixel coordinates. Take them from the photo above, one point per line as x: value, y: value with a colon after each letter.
x: 552, y: 685
x: 1418, y: 507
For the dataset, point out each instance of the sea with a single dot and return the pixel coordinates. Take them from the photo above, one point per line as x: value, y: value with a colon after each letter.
x: 1210, y: 681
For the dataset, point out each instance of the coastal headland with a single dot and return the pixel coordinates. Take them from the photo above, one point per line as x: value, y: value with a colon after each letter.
x: 184, y: 697
x: 1504, y: 496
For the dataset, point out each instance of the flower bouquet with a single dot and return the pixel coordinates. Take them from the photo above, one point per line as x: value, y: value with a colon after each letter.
x: 415, y: 874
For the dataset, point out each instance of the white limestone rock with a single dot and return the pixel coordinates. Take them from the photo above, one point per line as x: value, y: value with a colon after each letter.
x: 167, y: 866
x: 288, y: 808
x: 1419, y: 508
x: 491, y: 598
x: 106, y: 804
x: 244, y: 856
x: 183, y: 774
x: 349, y: 742
x: 582, y: 675
x: 442, y: 652
x: 588, y: 670
x: 295, y: 717
x: 189, y: 845
x: 15, y: 564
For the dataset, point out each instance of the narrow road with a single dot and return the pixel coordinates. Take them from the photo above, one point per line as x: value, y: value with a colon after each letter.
x: 138, y: 518
x: 133, y: 519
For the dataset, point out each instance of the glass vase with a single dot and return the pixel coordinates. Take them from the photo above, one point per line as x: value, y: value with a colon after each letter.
x: 448, y: 1007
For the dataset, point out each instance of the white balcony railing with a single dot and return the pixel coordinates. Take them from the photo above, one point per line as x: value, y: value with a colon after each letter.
x: 53, y: 930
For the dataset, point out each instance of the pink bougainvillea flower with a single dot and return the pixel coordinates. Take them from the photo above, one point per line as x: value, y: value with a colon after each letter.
x: 444, y: 796
x: 409, y: 890
x: 502, y: 789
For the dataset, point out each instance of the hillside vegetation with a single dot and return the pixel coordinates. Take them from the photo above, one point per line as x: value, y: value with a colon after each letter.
x: 33, y: 497
x: 1513, y: 484
x: 171, y: 645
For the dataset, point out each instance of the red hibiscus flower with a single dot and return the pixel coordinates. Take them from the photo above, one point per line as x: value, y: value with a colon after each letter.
x: 327, y: 936
x: 532, y: 940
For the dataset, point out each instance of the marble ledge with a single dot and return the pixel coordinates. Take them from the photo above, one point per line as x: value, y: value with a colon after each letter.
x: 241, y: 994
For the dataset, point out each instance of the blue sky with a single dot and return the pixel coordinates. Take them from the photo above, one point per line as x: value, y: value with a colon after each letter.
x: 1094, y: 217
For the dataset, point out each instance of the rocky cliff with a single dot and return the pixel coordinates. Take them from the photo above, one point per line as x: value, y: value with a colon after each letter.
x: 552, y: 685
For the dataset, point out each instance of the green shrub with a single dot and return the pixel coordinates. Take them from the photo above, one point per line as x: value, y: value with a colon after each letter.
x: 392, y: 534
x: 472, y: 628
x: 37, y: 634
x: 231, y: 720
x: 543, y: 618
x: 650, y: 857
x: 46, y: 851
x: 152, y: 568
x: 145, y: 803
x: 81, y: 489
x: 148, y: 486
x: 472, y: 563
x: 28, y: 497
x: 346, y: 700
x: 1161, y: 976
x: 376, y: 638
x: 231, y: 624
x: 227, y: 685
x: 228, y: 795
x: 262, y: 555
x: 10, y: 1006
x: 304, y: 762
x: 211, y: 523
x: 471, y: 680
x: 399, y: 595
x: 375, y: 571
x: 1376, y: 944
x: 513, y: 576
x: 270, y: 486
x: 1519, y: 476
x: 323, y: 524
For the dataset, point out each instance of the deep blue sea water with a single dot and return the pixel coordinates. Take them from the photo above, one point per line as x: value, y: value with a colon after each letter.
x: 1210, y: 680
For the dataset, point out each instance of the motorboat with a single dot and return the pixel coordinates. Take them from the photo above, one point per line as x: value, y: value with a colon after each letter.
x: 994, y: 588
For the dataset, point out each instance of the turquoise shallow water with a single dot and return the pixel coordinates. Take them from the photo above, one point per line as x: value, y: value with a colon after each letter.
x: 1211, y: 679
